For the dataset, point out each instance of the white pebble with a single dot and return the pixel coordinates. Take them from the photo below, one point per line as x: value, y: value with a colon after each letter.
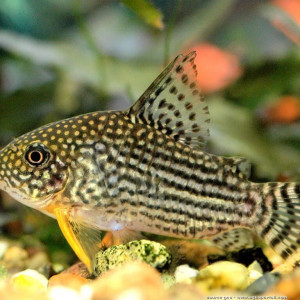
x: 131, y: 294
x: 253, y: 276
x: 3, y: 247
x: 63, y: 293
x: 86, y: 292
x: 185, y: 273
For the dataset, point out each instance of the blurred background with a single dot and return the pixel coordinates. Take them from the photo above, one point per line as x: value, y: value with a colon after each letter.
x: 59, y: 58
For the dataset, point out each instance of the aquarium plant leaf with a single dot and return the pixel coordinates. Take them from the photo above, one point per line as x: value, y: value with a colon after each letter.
x: 146, y: 11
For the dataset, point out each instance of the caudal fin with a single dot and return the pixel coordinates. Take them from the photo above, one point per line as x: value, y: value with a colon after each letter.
x: 279, y: 221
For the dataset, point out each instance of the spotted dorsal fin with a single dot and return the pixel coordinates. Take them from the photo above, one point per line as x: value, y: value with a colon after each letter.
x: 174, y: 104
x: 243, y: 165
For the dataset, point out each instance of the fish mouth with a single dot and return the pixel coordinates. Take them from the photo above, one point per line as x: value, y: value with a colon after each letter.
x: 15, y: 193
x: 3, y: 185
x: 38, y: 204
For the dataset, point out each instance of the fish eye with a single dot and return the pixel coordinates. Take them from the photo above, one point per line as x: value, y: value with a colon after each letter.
x: 37, y: 155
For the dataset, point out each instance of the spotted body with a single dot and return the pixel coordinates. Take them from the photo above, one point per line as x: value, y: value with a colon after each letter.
x: 144, y: 169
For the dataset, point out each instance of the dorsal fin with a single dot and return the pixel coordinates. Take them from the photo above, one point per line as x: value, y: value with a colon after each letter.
x: 174, y: 104
x: 243, y: 165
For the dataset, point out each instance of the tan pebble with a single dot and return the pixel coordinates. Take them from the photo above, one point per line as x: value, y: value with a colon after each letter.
x: 255, y: 266
x: 3, y: 247
x: 15, y: 258
x: 193, y: 253
x: 223, y: 274
x: 255, y: 272
x: 168, y: 280
x: 71, y: 281
x: 57, y: 267
x: 137, y: 277
x: 29, y: 280
x: 38, y: 260
x: 8, y: 293
x: 182, y: 291
x: 79, y: 269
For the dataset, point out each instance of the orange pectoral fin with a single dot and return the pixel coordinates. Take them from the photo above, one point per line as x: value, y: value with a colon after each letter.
x: 83, y: 240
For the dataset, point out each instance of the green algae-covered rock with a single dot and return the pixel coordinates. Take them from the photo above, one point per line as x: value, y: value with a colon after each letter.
x: 154, y: 254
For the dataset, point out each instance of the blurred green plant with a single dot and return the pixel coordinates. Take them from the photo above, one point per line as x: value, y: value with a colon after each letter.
x: 146, y: 11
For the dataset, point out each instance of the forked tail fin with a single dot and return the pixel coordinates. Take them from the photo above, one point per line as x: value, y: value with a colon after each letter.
x: 279, y: 221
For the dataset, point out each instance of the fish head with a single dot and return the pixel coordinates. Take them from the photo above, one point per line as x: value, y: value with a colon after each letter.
x: 31, y: 169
